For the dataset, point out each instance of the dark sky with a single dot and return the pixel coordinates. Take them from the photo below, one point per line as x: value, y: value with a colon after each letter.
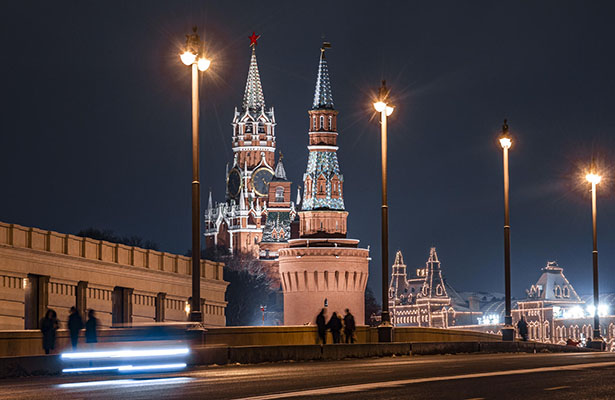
x: 95, y: 120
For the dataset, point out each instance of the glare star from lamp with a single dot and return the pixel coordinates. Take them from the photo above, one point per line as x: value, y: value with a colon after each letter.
x: 193, y: 57
x: 508, y: 332
x: 385, y: 329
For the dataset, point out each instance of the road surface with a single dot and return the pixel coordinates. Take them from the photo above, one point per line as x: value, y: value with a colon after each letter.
x: 493, y: 376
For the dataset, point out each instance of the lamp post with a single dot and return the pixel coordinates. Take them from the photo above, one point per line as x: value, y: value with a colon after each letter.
x: 594, y: 178
x: 193, y: 57
x: 385, y: 329
x: 508, y: 332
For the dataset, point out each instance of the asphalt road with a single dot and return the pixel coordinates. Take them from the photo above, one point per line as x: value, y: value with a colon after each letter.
x: 494, y: 376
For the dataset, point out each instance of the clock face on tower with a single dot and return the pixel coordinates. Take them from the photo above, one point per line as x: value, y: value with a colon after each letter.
x: 261, y: 179
x: 233, y: 183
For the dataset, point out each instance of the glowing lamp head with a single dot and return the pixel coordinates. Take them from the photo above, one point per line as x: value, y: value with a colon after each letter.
x: 505, y: 142
x: 203, y: 64
x: 187, y: 307
x: 380, y: 106
x: 188, y: 57
x: 593, y: 178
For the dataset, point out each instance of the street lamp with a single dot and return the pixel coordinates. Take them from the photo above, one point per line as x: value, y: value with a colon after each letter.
x: 385, y: 329
x: 508, y: 332
x: 193, y: 57
x: 594, y: 178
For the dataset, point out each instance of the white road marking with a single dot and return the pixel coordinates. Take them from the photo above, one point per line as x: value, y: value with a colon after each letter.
x: 403, y: 382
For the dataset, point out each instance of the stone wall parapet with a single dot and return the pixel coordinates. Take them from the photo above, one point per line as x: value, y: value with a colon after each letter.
x: 17, y: 236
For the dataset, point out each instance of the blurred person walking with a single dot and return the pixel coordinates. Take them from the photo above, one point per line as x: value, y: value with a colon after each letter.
x: 49, y: 326
x: 335, y: 325
x: 349, y: 327
x: 322, y: 326
x: 91, y: 328
x: 75, y: 324
x: 522, y: 328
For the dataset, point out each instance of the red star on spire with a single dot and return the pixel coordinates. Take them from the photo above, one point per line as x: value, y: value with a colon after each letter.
x: 253, y: 39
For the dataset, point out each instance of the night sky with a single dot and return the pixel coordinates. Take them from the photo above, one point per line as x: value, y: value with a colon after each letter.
x: 95, y: 121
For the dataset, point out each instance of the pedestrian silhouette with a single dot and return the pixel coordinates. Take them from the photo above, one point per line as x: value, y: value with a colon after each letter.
x: 322, y: 327
x: 75, y: 324
x: 91, y: 328
x: 522, y: 328
x: 349, y: 327
x: 49, y: 326
x: 335, y: 325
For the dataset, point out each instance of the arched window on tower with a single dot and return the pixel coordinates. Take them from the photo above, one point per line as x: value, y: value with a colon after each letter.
x: 330, y: 122
x: 321, y: 187
x: 308, y: 188
x: 335, y: 186
x: 279, y: 194
x: 314, y: 123
x: 322, y: 122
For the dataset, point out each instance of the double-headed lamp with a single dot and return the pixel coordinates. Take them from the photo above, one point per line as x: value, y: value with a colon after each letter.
x: 380, y: 106
x: 191, y: 54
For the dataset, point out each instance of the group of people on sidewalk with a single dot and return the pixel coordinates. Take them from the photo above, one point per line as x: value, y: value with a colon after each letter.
x: 335, y: 325
x: 50, y: 324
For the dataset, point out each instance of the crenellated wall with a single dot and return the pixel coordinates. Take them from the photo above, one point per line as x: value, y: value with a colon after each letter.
x: 158, y: 283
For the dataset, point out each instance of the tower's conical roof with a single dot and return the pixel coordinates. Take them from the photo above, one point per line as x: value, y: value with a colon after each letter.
x: 323, y: 99
x: 399, y: 258
x: 280, y: 172
x: 253, y: 99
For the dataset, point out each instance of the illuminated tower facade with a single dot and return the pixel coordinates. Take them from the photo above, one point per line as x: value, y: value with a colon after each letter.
x: 322, y: 268
x: 237, y: 223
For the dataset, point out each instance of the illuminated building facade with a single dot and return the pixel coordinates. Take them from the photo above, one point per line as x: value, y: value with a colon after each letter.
x: 552, y: 308
x: 425, y: 299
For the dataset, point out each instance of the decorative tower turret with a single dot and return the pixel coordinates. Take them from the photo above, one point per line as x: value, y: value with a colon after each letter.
x: 280, y: 213
x: 323, y: 213
x: 323, y: 269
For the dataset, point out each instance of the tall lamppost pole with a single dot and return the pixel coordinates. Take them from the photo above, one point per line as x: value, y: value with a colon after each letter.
x: 593, y: 178
x: 508, y: 332
x: 193, y: 57
x: 385, y: 329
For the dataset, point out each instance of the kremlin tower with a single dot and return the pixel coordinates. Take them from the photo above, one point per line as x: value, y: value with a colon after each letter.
x: 256, y: 216
x: 322, y: 268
